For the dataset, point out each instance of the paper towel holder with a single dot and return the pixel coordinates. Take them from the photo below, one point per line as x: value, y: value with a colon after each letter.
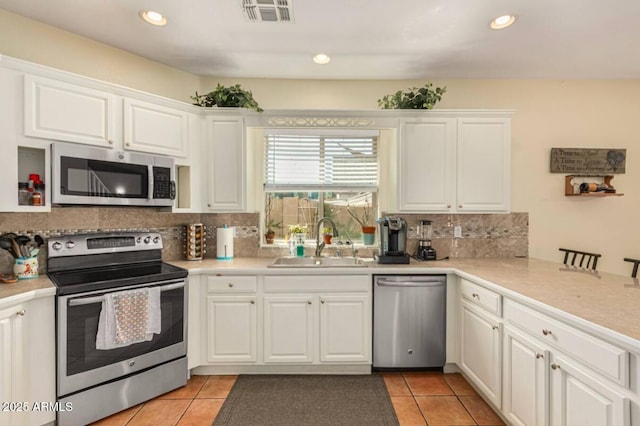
x: 224, y: 242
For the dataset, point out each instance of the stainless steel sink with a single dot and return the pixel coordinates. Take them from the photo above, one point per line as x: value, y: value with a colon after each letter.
x: 318, y: 262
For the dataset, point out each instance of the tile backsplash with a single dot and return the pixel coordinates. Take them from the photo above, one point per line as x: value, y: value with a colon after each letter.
x: 483, y: 235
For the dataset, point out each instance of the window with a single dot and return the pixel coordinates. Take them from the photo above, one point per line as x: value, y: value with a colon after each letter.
x: 308, y: 176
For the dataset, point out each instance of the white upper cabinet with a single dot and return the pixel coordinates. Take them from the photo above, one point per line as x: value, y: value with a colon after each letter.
x: 451, y: 164
x: 69, y: 112
x: 225, y: 164
x: 483, y: 165
x: 154, y: 128
x: 427, y: 168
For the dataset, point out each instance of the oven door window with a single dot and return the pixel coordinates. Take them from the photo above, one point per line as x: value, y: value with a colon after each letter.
x: 94, y: 178
x: 82, y: 328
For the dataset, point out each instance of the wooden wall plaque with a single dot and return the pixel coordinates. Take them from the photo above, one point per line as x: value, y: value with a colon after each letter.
x: 593, y: 161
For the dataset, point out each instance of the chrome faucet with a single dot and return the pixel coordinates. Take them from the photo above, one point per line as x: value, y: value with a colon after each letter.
x: 320, y: 244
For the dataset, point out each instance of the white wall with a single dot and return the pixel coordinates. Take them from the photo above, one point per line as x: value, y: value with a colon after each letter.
x: 549, y: 113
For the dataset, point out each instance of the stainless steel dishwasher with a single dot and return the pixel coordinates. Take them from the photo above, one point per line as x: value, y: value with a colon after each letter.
x: 409, y: 321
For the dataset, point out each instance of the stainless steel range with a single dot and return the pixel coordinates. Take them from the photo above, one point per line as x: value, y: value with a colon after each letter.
x: 89, y: 271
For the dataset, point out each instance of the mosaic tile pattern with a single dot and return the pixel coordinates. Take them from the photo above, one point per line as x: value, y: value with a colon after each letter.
x: 483, y: 235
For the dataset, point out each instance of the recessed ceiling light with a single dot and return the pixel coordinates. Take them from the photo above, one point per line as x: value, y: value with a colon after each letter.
x: 503, y: 21
x: 321, y: 59
x: 153, y: 17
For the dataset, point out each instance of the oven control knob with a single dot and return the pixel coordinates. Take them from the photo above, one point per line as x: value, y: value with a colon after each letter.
x: 156, y: 240
x: 147, y: 239
x: 57, y: 245
x: 70, y: 244
x: 139, y: 240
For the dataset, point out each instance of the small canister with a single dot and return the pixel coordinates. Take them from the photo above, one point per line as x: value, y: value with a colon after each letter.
x: 26, y: 267
x: 24, y: 196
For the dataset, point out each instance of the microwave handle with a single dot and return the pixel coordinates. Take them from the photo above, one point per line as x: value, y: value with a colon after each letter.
x: 173, y: 190
x: 151, y: 182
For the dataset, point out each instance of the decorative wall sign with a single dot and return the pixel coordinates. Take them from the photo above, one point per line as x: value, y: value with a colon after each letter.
x: 588, y: 160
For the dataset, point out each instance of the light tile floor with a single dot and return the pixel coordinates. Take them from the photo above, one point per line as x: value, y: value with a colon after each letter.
x: 419, y: 399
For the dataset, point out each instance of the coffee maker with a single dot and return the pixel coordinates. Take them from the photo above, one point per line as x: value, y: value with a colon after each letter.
x: 393, y: 240
x: 425, y: 251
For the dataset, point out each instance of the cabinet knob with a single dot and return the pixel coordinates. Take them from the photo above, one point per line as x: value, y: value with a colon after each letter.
x: 21, y: 312
x: 475, y: 295
x: 128, y: 144
x: 539, y: 355
x: 460, y: 206
x: 494, y: 327
x: 308, y: 302
x: 546, y: 332
x: 321, y: 301
x: 448, y: 206
x: 230, y: 284
x: 110, y: 142
x: 253, y: 302
x: 555, y: 366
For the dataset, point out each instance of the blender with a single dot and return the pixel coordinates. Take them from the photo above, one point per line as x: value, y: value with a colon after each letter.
x: 425, y: 251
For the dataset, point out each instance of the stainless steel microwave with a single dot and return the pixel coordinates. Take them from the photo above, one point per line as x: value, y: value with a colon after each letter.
x: 100, y: 176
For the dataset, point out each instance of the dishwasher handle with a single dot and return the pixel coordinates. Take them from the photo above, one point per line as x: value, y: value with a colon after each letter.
x: 414, y: 283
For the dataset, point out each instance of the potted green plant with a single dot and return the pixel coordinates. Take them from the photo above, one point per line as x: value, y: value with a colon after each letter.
x: 414, y: 98
x: 327, y: 234
x: 269, y: 223
x: 366, y: 222
x: 232, y: 96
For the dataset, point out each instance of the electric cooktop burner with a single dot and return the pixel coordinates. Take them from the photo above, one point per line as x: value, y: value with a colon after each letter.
x: 90, y: 262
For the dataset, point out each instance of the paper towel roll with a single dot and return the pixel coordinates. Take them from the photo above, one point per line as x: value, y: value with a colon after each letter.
x: 225, y: 243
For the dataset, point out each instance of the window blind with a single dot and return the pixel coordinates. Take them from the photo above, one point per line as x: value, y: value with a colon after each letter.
x: 321, y: 163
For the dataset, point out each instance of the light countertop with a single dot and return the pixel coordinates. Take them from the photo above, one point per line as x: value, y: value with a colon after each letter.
x: 606, y: 300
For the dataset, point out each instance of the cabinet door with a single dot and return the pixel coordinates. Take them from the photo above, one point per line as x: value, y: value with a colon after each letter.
x: 483, y: 165
x: 480, y: 351
x: 11, y: 367
x: 288, y: 329
x: 344, y: 328
x: 68, y: 112
x: 427, y: 165
x: 231, y: 333
x: 526, y: 375
x: 155, y: 128
x: 578, y: 399
x: 226, y: 164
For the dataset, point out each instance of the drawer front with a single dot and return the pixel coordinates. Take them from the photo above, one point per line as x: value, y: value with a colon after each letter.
x: 481, y: 296
x: 608, y: 360
x: 316, y: 283
x: 230, y: 284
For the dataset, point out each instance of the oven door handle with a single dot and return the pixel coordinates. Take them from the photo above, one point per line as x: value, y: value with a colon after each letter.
x: 96, y: 299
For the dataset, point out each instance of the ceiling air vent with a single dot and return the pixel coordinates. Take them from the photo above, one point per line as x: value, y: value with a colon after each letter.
x: 268, y: 10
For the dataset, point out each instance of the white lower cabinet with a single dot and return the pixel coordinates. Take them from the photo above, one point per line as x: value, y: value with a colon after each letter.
x: 288, y: 328
x: 231, y: 318
x: 526, y: 380
x: 578, y: 398
x: 343, y: 328
x: 297, y: 326
x: 11, y: 364
x: 253, y: 322
x: 544, y: 383
x: 27, y: 373
x: 232, y: 329
x: 481, y: 350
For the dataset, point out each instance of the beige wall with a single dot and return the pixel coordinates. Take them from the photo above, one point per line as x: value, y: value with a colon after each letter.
x: 549, y: 113
x: 43, y: 44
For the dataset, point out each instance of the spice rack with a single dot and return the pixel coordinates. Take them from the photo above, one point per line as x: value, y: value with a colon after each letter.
x: 195, y: 247
x: 572, y: 182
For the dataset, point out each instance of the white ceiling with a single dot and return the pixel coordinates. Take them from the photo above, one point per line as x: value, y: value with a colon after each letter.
x: 366, y: 39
